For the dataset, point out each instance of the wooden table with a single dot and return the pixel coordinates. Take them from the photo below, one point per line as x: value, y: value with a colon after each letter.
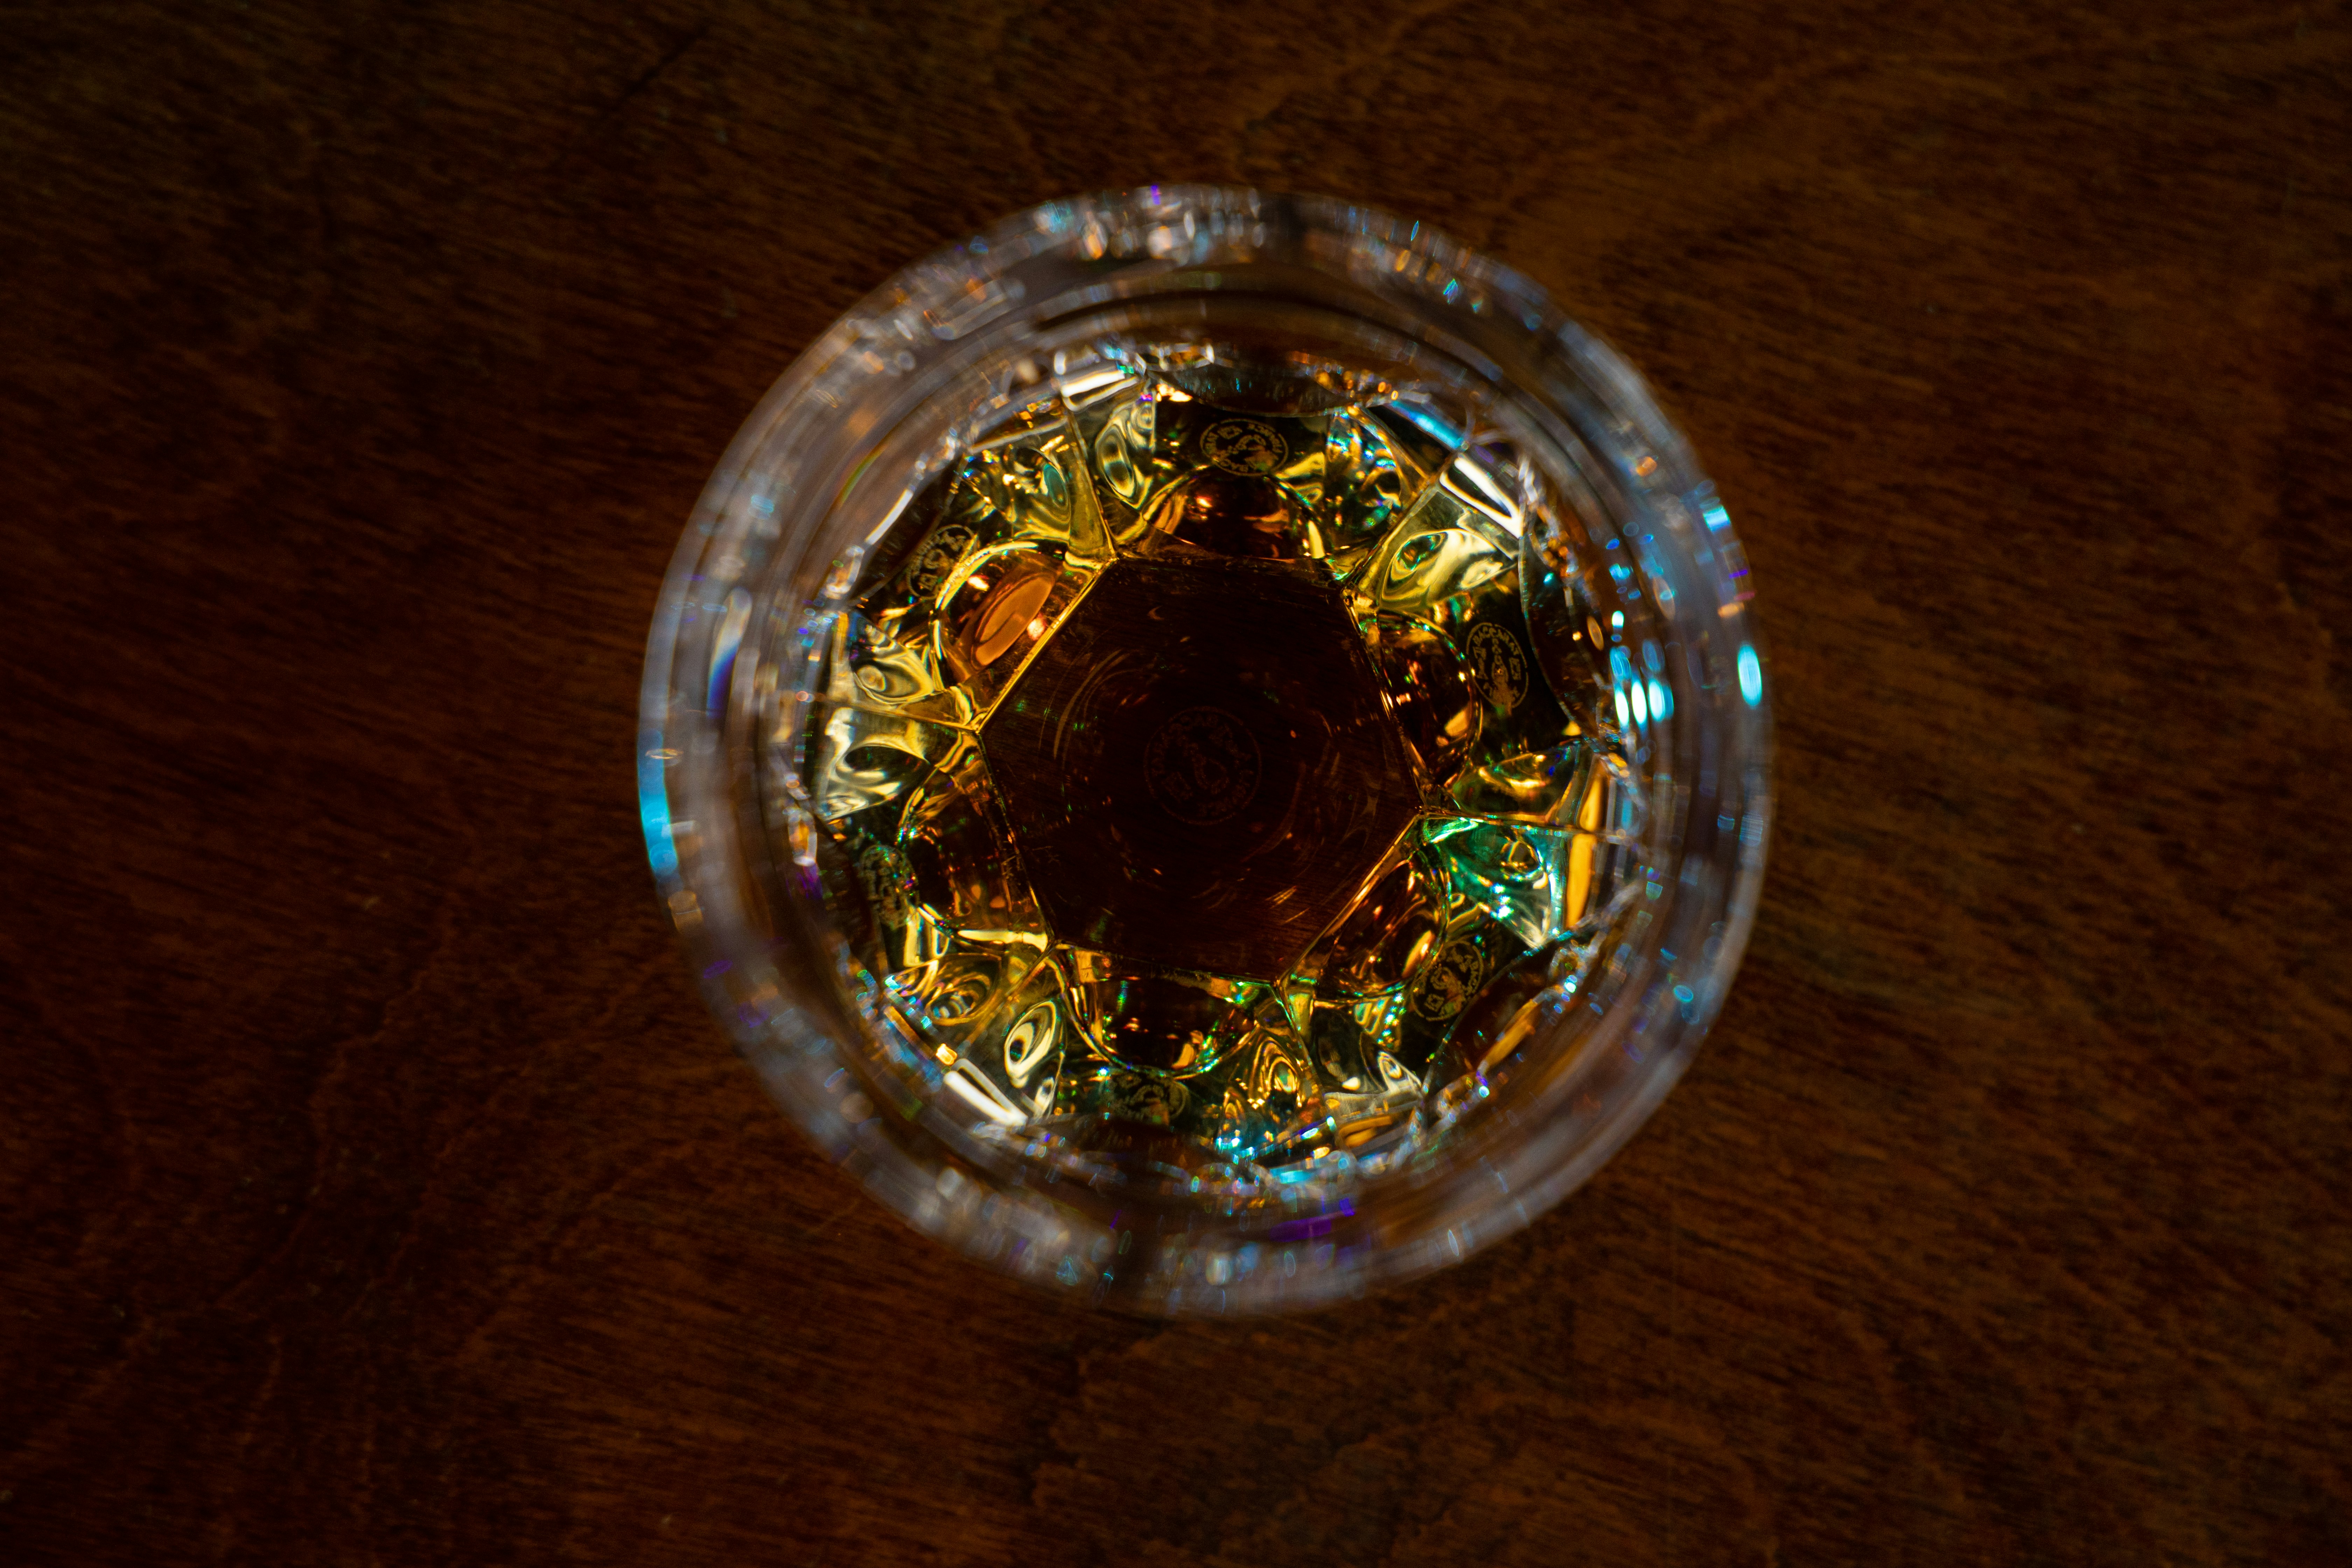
x: 375, y: 1191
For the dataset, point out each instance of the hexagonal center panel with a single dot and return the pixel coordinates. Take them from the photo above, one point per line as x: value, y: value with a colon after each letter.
x: 1198, y: 767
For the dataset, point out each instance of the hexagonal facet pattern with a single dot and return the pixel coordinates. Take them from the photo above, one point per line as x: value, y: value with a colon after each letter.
x: 1199, y: 768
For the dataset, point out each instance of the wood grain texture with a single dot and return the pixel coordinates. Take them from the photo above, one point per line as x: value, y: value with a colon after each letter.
x: 371, y: 1191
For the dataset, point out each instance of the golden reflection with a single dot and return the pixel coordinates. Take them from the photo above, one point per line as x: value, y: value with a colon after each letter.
x: 1213, y: 767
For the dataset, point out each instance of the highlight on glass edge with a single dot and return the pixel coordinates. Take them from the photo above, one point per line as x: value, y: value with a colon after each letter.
x: 1211, y: 747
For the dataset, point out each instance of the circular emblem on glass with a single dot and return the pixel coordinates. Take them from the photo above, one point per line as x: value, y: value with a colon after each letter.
x: 1498, y: 665
x: 1202, y: 766
x: 886, y: 885
x: 1451, y: 978
x: 1243, y: 447
x: 941, y: 552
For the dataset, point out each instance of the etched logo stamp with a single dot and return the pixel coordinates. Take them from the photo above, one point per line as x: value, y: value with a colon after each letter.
x: 1451, y: 978
x: 1202, y: 766
x: 1244, y: 447
x: 939, y: 555
x: 1498, y: 666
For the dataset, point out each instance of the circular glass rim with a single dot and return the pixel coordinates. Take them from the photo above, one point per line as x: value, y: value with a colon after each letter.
x: 884, y: 399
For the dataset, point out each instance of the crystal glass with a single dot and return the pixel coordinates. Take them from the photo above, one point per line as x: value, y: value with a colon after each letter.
x: 1212, y: 747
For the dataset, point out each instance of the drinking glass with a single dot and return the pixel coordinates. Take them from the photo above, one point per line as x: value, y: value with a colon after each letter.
x: 1212, y: 747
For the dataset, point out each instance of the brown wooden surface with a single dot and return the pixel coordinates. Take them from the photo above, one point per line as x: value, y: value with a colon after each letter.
x: 374, y: 1190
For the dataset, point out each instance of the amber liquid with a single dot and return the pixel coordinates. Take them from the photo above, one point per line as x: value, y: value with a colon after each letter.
x: 1189, y: 783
